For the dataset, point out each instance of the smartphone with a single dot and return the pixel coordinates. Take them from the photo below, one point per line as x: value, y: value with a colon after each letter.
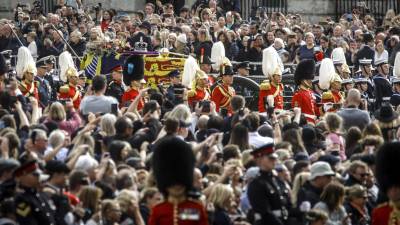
x: 223, y: 112
x: 114, y: 109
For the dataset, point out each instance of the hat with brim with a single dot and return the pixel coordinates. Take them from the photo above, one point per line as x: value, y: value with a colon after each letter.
x: 31, y: 167
x: 386, y: 114
x: 243, y: 65
x: 320, y: 169
x: 8, y: 164
x: 267, y: 149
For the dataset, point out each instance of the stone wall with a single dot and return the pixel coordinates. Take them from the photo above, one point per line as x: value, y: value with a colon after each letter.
x: 312, y: 10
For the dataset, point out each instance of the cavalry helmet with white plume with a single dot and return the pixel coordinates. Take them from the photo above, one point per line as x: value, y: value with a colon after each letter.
x: 23, y: 60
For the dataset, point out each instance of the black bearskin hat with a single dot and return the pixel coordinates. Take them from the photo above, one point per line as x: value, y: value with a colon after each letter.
x: 305, y: 70
x: 387, y: 166
x: 173, y: 163
x: 3, y: 66
x: 133, y: 69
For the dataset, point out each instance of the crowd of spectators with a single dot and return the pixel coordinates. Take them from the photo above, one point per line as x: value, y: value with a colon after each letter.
x: 96, y: 168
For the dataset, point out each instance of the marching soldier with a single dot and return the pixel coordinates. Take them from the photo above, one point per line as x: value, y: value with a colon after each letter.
x: 27, y: 86
x: 388, y: 177
x: 330, y: 80
x: 200, y: 92
x: 133, y: 73
x: 273, y: 87
x: 268, y: 195
x: 366, y: 72
x: 116, y: 87
x: 361, y: 84
x: 347, y: 84
x: 223, y: 92
x: 71, y: 91
x: 304, y: 97
x: 44, y: 87
x: 383, y: 87
x: 32, y: 207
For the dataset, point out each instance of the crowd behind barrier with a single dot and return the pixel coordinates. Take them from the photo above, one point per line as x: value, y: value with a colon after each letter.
x: 225, y: 112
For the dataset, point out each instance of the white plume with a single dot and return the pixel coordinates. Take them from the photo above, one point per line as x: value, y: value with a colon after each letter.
x: 326, y: 73
x: 396, y: 68
x: 217, y: 54
x: 189, y: 71
x: 65, y: 61
x: 271, y: 61
x: 24, y: 59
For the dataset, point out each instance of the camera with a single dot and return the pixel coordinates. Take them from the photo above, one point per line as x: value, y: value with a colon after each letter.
x: 97, y: 7
x: 205, y: 104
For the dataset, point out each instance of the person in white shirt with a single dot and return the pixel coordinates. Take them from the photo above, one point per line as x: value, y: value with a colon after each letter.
x: 31, y: 36
x: 252, y: 122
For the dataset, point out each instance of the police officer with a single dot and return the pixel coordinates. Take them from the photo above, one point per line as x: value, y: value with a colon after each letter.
x: 361, y: 84
x: 267, y: 194
x: 116, y: 87
x: 383, y: 87
x: 32, y: 207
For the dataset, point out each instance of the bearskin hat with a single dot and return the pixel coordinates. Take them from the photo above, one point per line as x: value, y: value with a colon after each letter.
x: 173, y: 163
x: 305, y: 71
x: 133, y: 69
x: 387, y: 166
x: 3, y: 66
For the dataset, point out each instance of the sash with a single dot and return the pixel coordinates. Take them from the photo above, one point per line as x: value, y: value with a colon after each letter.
x: 30, y: 91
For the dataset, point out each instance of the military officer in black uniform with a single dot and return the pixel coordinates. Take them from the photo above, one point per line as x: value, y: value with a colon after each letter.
x: 268, y: 195
x: 44, y: 87
x: 54, y: 188
x: 175, y: 91
x: 116, y: 87
x: 366, y: 72
x: 361, y: 84
x: 317, y: 92
x: 395, y: 98
x: 383, y: 87
x: 32, y: 207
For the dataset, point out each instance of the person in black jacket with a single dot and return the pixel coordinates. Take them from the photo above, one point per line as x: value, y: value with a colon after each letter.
x: 267, y: 194
x: 204, y: 46
x: 77, y: 43
x: 383, y: 87
x: 366, y: 51
x: 356, y: 205
x: 309, y: 193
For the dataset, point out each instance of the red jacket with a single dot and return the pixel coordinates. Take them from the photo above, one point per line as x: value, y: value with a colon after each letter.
x: 332, y: 97
x: 187, y: 213
x: 385, y: 214
x: 70, y: 92
x: 129, y: 96
x: 305, y: 99
x: 222, y: 95
x: 266, y: 89
x: 197, y: 96
x: 28, y: 90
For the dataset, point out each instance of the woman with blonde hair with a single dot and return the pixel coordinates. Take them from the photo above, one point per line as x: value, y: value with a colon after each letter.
x: 90, y: 197
x: 331, y: 202
x: 129, y: 205
x: 58, y: 115
x: 298, y: 182
x: 221, y: 196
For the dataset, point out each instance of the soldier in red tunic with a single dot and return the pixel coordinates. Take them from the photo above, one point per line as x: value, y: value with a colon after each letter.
x: 223, y: 92
x: 173, y: 167
x: 133, y: 77
x: 71, y: 91
x: 388, y: 177
x: 273, y: 88
x: 200, y: 89
x: 330, y: 80
x: 28, y: 86
x: 304, y: 97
